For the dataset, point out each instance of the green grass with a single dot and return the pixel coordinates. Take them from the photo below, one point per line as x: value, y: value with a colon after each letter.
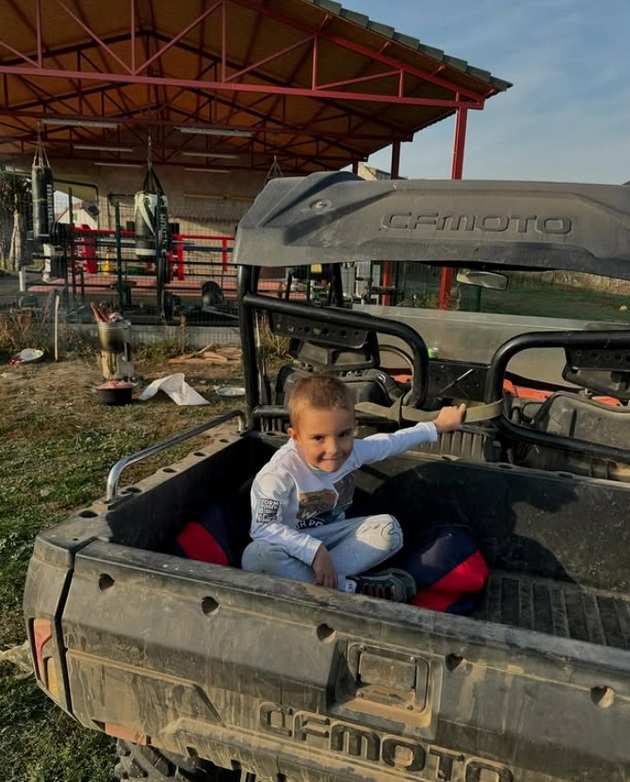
x: 534, y: 299
x: 56, y: 448
x: 40, y: 743
x: 554, y: 302
x: 43, y: 474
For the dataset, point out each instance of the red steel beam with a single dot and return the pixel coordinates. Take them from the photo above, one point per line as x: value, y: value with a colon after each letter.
x: 200, y: 68
x: 253, y: 38
x: 461, y: 121
x: 19, y: 12
x: 61, y: 98
x: 161, y: 94
x: 317, y: 91
x: 357, y: 114
x: 314, y: 119
x: 85, y: 92
x: 54, y: 54
x: 38, y: 28
x: 94, y: 36
x: 296, y: 69
x: 19, y: 55
x: 223, y: 42
x: 446, y: 280
x: 178, y: 37
x: 346, y: 43
x: 388, y: 266
x: 395, y: 166
x: 267, y: 59
x: 361, y: 79
x: 169, y: 81
x: 132, y: 34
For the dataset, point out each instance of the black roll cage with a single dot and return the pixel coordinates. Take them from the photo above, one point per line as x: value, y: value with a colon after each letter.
x: 251, y: 302
x: 568, y: 340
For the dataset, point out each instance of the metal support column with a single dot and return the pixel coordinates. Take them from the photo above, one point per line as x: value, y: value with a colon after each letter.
x: 387, y: 277
x: 446, y: 282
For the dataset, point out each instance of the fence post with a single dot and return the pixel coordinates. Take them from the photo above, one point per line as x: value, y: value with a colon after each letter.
x: 180, y: 256
x: 224, y: 253
x: 119, y: 280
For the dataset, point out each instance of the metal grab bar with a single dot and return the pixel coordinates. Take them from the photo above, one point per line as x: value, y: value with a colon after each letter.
x: 121, y: 464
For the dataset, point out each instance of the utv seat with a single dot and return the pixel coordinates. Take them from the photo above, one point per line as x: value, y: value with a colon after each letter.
x: 365, y: 385
x: 571, y: 415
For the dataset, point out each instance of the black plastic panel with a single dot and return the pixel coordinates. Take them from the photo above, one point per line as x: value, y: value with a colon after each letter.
x: 337, y: 217
x: 525, y: 520
x: 603, y: 370
x: 317, y: 330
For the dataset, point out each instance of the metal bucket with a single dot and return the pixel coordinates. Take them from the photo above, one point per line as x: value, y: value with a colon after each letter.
x: 115, y: 337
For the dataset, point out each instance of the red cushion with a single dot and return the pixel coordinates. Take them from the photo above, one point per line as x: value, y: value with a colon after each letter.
x: 449, y: 570
x: 198, y: 543
x: 469, y: 577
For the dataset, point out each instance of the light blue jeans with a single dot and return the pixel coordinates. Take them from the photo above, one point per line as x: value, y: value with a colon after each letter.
x: 355, y: 545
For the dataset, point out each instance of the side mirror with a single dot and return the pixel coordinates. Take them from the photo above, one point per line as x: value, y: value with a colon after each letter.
x: 492, y: 280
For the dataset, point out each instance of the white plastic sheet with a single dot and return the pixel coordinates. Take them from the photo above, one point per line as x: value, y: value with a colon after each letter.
x: 177, y: 388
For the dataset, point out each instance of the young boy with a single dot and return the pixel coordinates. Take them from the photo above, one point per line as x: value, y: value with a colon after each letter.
x: 299, y: 529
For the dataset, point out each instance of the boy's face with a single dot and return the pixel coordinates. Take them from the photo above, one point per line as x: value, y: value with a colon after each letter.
x: 324, y: 437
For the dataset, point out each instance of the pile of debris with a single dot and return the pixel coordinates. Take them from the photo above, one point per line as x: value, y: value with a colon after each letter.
x: 209, y: 355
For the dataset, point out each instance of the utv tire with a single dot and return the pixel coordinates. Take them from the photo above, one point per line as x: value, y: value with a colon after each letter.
x: 155, y: 765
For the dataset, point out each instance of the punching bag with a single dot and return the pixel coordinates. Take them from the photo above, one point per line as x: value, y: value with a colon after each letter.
x: 150, y: 218
x: 43, y: 195
x: 151, y: 228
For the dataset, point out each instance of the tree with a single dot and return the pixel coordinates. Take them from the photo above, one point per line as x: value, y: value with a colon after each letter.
x: 15, y: 217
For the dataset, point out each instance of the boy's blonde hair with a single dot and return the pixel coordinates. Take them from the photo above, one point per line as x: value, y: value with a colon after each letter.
x: 322, y: 392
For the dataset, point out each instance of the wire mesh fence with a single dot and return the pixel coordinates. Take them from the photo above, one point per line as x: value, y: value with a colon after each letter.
x: 189, y: 267
x: 189, y: 274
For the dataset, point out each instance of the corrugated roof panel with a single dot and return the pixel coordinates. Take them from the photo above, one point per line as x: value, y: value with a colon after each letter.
x: 410, y: 41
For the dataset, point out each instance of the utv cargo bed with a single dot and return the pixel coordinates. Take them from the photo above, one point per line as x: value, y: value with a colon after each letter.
x: 562, y: 610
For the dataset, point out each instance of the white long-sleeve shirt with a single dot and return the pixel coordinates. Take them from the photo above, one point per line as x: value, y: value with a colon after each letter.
x: 289, y: 497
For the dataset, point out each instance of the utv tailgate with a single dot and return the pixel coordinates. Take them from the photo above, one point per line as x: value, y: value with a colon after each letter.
x: 282, y: 678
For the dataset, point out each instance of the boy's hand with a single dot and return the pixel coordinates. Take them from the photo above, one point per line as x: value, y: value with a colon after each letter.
x: 324, y: 568
x: 450, y: 418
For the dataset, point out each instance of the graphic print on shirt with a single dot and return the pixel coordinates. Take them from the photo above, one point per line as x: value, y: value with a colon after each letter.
x: 326, y: 506
x: 345, y: 489
x: 267, y: 510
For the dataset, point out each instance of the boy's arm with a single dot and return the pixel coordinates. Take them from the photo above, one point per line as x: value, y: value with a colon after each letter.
x: 270, y: 499
x: 381, y: 446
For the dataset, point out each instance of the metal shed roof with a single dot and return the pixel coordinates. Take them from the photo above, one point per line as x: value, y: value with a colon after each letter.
x: 317, y: 85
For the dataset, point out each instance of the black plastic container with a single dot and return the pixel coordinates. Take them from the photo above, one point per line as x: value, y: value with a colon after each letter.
x: 118, y: 394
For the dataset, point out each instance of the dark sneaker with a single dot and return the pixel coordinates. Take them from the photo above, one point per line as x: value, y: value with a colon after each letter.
x: 391, y: 584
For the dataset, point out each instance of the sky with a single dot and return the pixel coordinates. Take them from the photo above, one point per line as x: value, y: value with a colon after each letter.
x: 567, y: 116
